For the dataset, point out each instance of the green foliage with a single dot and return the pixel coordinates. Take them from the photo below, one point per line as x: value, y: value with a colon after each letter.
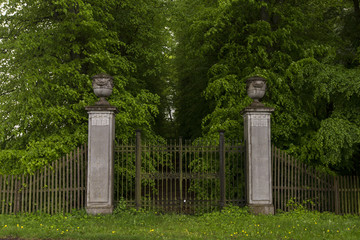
x: 120, y: 207
x: 50, y: 50
x: 300, y: 208
x: 308, y: 52
x: 192, y: 59
x: 192, y: 56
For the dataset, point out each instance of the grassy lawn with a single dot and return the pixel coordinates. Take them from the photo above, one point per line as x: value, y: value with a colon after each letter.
x: 231, y: 223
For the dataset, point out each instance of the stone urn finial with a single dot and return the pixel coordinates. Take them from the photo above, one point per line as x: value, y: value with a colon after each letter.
x: 256, y: 88
x: 102, y: 85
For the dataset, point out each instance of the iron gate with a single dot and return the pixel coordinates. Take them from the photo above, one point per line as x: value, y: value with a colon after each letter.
x: 180, y: 176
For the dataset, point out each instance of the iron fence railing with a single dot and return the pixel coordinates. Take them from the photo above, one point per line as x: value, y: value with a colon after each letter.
x: 180, y: 176
x: 56, y: 188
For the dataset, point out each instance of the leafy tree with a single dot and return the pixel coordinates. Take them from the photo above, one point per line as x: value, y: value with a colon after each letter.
x: 50, y: 50
x: 189, y: 21
x: 301, y: 48
x: 205, y: 49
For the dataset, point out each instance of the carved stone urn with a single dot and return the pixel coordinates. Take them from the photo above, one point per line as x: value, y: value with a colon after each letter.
x: 102, y: 85
x: 256, y: 88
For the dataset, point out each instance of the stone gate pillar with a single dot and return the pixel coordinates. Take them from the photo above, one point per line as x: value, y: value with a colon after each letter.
x: 258, y: 150
x: 101, y: 138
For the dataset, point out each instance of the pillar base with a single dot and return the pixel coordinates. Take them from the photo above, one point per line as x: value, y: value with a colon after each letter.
x: 99, y: 210
x: 262, y: 209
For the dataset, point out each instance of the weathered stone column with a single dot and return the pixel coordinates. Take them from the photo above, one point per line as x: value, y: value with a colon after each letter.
x: 100, y: 149
x: 258, y: 150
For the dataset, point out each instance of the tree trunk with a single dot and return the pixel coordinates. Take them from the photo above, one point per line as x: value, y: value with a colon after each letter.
x: 264, y: 12
x: 357, y: 9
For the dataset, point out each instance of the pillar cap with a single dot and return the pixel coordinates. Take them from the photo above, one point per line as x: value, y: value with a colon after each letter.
x: 258, y: 109
x: 102, y: 108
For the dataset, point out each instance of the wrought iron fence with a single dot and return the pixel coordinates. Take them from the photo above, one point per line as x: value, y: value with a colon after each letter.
x: 56, y: 188
x: 297, y: 184
x: 180, y: 176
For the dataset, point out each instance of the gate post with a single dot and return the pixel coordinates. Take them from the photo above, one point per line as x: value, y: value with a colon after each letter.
x: 101, y: 138
x: 222, y: 169
x: 181, y: 197
x: 138, y: 170
x: 258, y: 150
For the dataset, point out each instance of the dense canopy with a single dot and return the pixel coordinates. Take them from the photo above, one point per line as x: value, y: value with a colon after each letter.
x: 179, y: 69
x: 50, y: 50
x: 307, y: 50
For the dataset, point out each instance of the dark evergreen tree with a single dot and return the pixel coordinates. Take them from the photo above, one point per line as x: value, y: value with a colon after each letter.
x: 308, y: 53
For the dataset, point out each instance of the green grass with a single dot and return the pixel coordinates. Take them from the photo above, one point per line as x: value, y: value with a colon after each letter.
x: 231, y: 223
